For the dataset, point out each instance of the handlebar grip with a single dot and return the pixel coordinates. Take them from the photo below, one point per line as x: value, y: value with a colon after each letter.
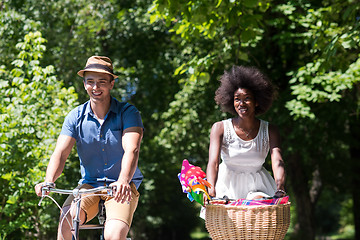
x: 49, y: 184
x: 45, y: 188
x: 111, y: 191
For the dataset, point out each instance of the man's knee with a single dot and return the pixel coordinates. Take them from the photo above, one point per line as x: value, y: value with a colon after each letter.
x: 70, y: 213
x: 116, y: 229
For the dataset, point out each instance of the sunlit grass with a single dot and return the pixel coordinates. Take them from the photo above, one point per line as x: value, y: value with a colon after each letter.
x: 200, y: 234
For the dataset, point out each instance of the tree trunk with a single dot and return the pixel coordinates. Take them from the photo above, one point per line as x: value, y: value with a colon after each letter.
x: 356, y: 208
x: 305, y: 227
x: 355, y: 167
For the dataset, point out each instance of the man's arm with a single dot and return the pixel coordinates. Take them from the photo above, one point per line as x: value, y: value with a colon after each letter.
x: 57, y: 161
x: 131, y: 141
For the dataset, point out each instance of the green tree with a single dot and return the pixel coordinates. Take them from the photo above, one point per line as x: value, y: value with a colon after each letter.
x: 144, y: 57
x: 304, y: 47
x: 32, y: 107
x: 169, y: 55
x: 328, y: 83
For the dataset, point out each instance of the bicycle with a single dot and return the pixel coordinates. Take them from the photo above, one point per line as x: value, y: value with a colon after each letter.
x: 78, y: 195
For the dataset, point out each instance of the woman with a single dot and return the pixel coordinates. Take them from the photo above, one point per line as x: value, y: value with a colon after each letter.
x: 244, y: 141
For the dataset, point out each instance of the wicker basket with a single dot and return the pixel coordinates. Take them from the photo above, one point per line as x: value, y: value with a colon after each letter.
x: 247, y: 222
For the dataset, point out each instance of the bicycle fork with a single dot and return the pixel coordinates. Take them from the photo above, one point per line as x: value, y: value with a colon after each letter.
x: 76, y: 221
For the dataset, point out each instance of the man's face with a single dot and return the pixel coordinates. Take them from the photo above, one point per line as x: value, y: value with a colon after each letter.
x: 98, y: 85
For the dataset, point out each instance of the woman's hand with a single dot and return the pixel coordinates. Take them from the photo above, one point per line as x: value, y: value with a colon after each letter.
x: 212, y: 192
x: 279, y: 193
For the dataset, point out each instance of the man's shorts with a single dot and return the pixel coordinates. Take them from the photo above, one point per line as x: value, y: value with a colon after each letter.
x: 114, y: 210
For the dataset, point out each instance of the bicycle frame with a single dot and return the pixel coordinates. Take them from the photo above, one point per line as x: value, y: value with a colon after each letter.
x: 77, y: 193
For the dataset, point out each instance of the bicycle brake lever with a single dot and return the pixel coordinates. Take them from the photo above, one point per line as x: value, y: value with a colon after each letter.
x: 44, y: 189
x: 112, y: 191
x: 43, y: 192
x: 40, y: 201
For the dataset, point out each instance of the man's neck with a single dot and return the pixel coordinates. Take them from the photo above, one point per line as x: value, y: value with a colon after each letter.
x: 100, y: 109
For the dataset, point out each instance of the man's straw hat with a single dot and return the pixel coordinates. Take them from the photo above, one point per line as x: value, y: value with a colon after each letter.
x: 98, y: 64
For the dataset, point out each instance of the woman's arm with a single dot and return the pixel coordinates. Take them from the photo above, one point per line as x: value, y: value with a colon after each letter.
x: 277, y: 162
x: 212, y: 169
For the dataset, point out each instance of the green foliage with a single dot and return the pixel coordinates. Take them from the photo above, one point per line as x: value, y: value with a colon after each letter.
x: 334, y: 67
x: 212, y: 34
x: 169, y: 55
x: 32, y: 106
x: 303, y: 45
x: 312, y: 85
x: 195, y: 19
x: 346, y: 218
x: 13, y: 27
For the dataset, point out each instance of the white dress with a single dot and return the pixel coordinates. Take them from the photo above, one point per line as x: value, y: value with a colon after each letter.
x: 241, y: 171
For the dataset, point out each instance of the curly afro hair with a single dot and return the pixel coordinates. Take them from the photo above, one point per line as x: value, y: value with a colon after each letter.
x: 244, y: 77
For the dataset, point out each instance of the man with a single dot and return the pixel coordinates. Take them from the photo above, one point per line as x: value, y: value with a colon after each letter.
x: 108, y: 134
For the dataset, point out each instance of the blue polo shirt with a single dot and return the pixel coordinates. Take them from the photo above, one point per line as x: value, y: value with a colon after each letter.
x: 100, y: 146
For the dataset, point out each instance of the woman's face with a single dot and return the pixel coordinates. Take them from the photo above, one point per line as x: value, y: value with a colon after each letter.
x: 244, y: 102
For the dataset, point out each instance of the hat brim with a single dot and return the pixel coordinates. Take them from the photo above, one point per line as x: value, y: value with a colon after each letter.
x: 82, y: 72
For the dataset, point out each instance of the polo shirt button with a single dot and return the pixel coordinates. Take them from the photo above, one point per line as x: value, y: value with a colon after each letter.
x: 105, y: 163
x: 103, y: 149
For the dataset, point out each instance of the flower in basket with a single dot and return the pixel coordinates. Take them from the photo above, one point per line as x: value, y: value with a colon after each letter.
x: 193, y: 182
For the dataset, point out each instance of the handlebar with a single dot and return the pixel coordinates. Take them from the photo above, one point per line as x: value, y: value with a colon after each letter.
x: 77, y: 193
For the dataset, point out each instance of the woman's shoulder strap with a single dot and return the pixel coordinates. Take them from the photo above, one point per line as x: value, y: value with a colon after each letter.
x: 227, y: 131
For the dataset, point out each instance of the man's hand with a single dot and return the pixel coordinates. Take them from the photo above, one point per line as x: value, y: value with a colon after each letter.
x: 122, y: 191
x: 39, y: 186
